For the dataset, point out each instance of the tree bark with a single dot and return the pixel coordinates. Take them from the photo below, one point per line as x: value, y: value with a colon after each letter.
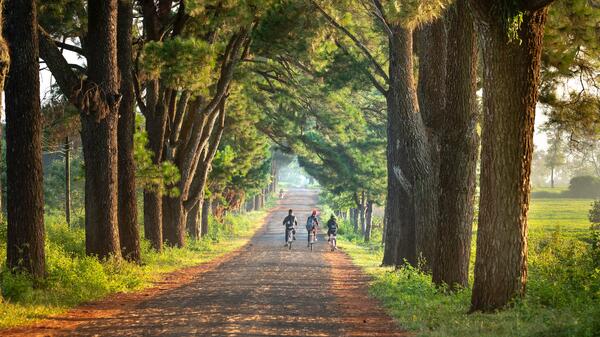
x: 99, y: 131
x: 369, y: 221
x: 153, y: 219
x: 410, y: 184
x: 194, y: 221
x: 511, y: 78
x: 257, y: 202
x: 25, y: 202
x: 361, y: 209
x: 129, y: 233
x: 4, y: 67
x: 459, y: 150
x: 431, y: 92
x: 68, y: 180
x: 174, y: 217
x: 355, y: 215
x: 206, y: 206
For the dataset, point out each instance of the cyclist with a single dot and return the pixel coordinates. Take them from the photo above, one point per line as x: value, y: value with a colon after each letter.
x: 281, y: 194
x: 332, y: 227
x: 290, y: 222
x: 311, y: 225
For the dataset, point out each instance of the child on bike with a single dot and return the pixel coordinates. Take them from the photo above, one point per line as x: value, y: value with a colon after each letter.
x: 332, y: 227
x: 311, y: 225
x: 290, y: 222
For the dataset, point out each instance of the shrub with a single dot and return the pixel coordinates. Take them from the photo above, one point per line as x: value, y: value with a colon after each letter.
x: 594, y: 215
x: 584, y: 187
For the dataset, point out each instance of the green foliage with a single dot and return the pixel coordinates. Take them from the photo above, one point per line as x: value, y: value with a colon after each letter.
x: 562, y: 298
x: 594, y: 215
x: 584, y: 187
x: 185, y: 64
x: 410, y: 13
x: 54, y: 183
x: 154, y: 177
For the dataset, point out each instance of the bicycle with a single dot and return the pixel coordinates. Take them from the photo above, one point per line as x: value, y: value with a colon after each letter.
x: 289, y: 237
x: 313, y: 238
x: 333, y: 241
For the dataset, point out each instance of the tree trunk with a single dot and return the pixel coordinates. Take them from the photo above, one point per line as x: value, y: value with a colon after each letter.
x: 99, y: 131
x: 384, y: 225
x: 511, y: 81
x: 410, y: 184
x: 361, y: 209
x: 68, y: 180
x: 431, y: 92
x: 368, y: 221
x: 193, y: 221
x: 25, y: 202
x: 458, y: 155
x: 129, y: 233
x: 153, y: 219
x: 206, y: 206
x: 4, y: 67
x: 174, y: 217
x: 257, y: 202
x: 552, y: 177
x: 355, y: 216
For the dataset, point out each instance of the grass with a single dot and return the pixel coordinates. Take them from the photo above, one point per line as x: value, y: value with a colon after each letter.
x: 563, y: 297
x: 74, y: 278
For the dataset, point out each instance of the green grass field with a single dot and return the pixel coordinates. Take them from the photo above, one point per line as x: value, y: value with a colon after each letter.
x: 568, y: 216
x: 563, y: 297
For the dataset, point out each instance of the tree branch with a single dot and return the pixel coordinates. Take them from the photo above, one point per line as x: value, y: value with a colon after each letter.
x: 354, y: 39
x: 62, y: 71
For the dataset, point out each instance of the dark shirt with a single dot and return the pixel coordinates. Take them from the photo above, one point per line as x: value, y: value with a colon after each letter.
x: 290, y: 221
x: 332, y: 225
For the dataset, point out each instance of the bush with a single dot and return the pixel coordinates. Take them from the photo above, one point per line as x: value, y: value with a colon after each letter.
x: 594, y: 215
x: 584, y: 187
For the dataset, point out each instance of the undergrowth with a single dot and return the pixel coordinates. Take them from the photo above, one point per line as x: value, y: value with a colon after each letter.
x: 563, y: 291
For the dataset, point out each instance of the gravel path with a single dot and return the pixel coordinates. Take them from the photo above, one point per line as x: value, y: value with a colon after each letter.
x: 262, y: 290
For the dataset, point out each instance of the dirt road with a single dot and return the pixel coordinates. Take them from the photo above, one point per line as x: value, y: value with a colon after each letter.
x: 263, y: 290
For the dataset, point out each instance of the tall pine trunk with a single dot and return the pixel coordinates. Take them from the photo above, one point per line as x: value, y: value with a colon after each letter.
x: 431, y: 41
x: 361, y: 208
x: 511, y: 78
x: 68, y: 180
x: 206, y: 206
x: 4, y: 66
x: 128, y: 226
x: 174, y: 217
x: 153, y: 219
x: 99, y: 130
x: 458, y: 154
x: 193, y: 222
x: 25, y: 203
x: 368, y: 220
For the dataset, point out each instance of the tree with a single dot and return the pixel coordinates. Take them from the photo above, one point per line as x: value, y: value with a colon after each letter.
x: 128, y: 226
x: 555, y: 156
x: 25, y: 204
x: 459, y: 148
x: 512, y: 36
x: 97, y: 97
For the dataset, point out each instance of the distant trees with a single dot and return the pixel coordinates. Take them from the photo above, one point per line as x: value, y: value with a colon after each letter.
x: 555, y: 156
x: 25, y: 206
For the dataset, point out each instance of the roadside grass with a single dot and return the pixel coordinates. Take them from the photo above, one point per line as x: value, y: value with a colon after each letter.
x: 74, y: 278
x: 563, y: 291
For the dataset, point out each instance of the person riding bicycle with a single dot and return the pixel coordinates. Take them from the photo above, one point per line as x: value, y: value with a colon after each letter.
x: 311, y: 225
x: 290, y: 222
x: 332, y: 227
x: 281, y: 194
